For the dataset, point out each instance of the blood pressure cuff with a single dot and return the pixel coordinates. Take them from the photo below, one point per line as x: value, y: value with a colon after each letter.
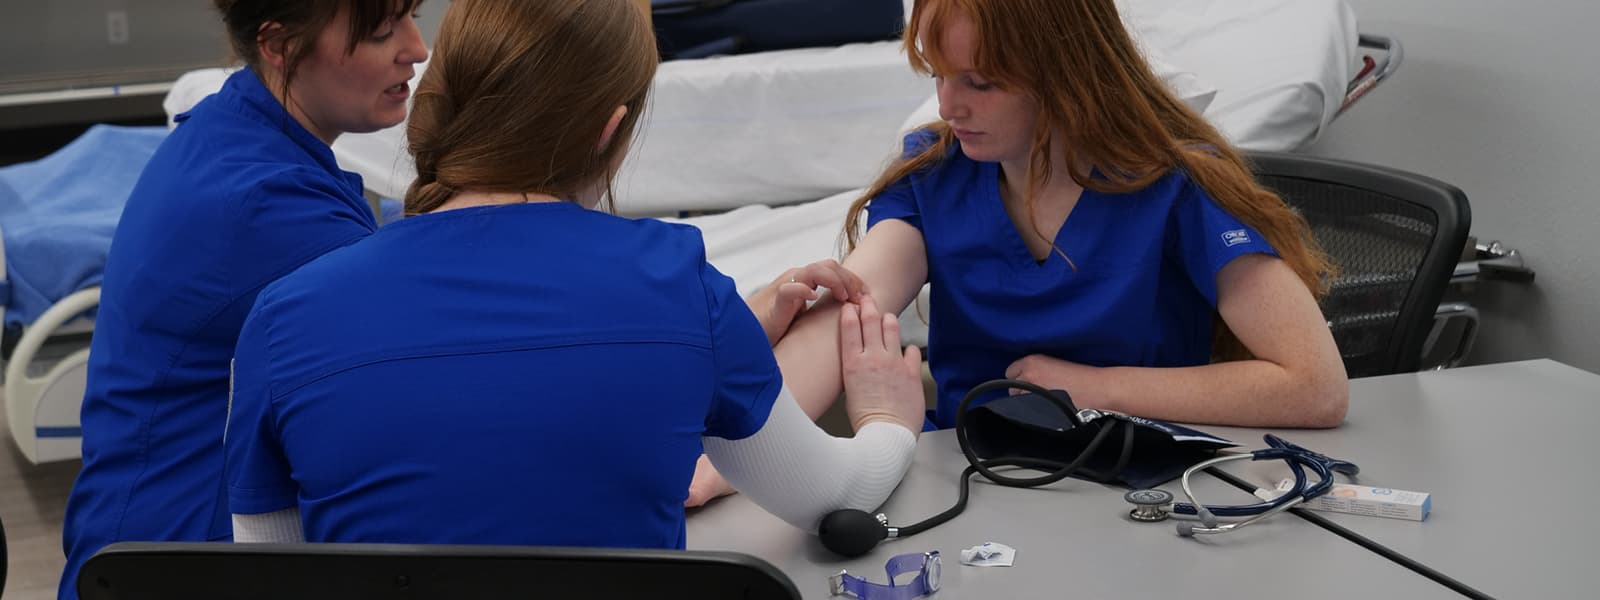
x: 1028, y: 426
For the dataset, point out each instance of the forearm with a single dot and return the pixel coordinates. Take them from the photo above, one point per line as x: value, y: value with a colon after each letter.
x: 892, y: 263
x: 808, y: 356
x: 1248, y: 393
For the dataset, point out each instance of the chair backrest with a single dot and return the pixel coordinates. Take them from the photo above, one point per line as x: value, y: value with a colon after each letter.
x: 1395, y: 237
x: 224, y: 571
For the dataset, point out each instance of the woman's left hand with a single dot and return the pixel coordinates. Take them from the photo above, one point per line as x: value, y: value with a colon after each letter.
x: 777, y: 304
x: 1053, y: 373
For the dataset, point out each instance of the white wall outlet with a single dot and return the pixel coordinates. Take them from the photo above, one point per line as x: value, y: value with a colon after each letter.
x: 117, y: 27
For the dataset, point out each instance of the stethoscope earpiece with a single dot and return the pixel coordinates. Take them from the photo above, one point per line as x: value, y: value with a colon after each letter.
x: 851, y: 532
x: 1185, y: 529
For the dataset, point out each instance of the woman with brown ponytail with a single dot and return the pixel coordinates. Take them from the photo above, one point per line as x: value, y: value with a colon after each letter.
x: 244, y: 190
x: 1083, y: 229
x: 510, y: 365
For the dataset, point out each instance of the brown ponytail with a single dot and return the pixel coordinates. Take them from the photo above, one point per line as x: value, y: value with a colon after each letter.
x: 518, y: 93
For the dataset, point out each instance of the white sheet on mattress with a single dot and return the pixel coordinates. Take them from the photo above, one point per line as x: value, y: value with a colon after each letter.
x: 768, y: 128
x: 1280, y: 66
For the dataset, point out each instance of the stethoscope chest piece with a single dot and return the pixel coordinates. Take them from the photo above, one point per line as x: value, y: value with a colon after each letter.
x: 1148, y: 505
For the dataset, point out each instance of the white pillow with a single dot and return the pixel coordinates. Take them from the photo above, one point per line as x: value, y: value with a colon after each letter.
x: 192, y: 87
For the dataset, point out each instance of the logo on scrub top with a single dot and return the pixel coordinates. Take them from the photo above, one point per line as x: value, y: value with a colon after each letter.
x: 1235, y: 237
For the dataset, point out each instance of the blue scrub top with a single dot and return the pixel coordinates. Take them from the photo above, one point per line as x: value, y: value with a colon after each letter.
x: 1144, y: 292
x: 237, y: 196
x: 524, y: 374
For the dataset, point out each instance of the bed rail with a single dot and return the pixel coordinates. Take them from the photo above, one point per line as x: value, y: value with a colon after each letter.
x: 1375, y: 70
x: 24, y: 394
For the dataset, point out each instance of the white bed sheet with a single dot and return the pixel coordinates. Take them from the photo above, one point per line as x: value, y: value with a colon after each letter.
x: 768, y: 128
x: 1280, y: 66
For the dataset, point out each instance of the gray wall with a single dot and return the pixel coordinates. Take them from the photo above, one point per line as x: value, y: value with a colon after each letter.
x: 53, y: 44
x: 1500, y: 98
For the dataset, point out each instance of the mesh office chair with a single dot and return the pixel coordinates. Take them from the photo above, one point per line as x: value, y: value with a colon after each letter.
x: 223, y: 571
x: 1396, y: 238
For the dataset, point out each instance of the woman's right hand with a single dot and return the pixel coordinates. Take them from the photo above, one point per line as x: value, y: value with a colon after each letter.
x: 881, y: 383
x: 777, y: 305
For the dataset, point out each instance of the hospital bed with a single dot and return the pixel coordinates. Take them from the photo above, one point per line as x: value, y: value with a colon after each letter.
x: 764, y: 152
x: 57, y: 216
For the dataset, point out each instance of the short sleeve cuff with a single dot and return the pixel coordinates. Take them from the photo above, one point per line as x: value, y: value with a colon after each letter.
x: 748, y: 422
x: 255, y: 501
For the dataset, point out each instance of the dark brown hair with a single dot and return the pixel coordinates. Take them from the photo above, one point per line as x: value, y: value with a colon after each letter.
x: 518, y: 93
x: 1093, y: 87
x: 301, y: 21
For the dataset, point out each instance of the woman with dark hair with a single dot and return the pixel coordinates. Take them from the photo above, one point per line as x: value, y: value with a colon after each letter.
x: 243, y: 191
x: 525, y: 369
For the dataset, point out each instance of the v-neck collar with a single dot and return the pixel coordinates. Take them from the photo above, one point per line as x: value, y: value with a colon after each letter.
x: 1014, y: 247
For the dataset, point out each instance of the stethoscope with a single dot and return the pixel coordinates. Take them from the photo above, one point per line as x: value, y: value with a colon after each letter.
x: 853, y: 532
x: 1158, y: 505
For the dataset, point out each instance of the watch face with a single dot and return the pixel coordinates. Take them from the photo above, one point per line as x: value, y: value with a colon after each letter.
x: 933, y: 570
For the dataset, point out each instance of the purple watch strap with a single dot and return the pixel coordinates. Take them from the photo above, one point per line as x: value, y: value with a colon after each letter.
x: 898, y: 565
x: 866, y: 590
x: 904, y: 563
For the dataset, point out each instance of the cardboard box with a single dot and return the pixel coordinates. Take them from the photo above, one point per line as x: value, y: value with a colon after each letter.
x: 1364, y: 500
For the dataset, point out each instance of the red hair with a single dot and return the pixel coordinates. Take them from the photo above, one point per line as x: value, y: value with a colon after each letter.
x: 1094, y: 89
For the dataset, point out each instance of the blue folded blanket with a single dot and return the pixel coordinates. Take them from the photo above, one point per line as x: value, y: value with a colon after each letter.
x: 57, y: 215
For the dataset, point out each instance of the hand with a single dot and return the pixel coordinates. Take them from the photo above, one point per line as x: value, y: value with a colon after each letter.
x: 1052, y: 373
x: 707, y: 484
x: 880, y: 383
x: 777, y: 304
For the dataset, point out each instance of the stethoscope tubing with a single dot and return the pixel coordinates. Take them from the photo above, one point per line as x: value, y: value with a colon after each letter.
x: 1299, y: 490
x: 1298, y: 459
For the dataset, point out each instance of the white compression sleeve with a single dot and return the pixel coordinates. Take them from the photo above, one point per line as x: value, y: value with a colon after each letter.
x: 276, y: 527
x: 796, y: 471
